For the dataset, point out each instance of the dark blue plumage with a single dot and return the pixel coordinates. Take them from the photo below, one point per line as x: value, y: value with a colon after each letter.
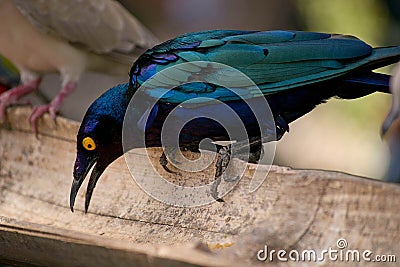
x: 295, y: 71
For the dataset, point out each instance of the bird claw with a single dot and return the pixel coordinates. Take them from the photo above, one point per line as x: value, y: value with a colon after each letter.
x: 223, y: 159
x: 13, y: 95
x: 6, y: 99
x: 214, y: 190
x: 164, y: 161
x: 37, y: 112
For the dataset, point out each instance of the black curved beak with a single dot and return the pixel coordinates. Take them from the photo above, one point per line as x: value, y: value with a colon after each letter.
x: 80, y: 173
x: 81, y: 169
x: 94, y: 177
x: 83, y: 164
x: 76, y: 184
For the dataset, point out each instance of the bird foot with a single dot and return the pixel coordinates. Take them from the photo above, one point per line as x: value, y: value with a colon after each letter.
x: 51, y: 108
x: 214, y: 190
x: 223, y: 159
x: 12, y: 96
x: 38, y: 111
x: 164, y: 162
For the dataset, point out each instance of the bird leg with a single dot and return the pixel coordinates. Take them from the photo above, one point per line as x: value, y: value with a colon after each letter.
x: 13, y: 95
x: 223, y: 159
x: 53, y: 107
x: 164, y: 160
x: 240, y: 150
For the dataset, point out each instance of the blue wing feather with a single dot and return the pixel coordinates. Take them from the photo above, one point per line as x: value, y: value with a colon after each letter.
x: 274, y: 60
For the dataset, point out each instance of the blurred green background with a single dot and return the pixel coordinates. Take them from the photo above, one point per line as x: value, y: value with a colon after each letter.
x: 340, y: 135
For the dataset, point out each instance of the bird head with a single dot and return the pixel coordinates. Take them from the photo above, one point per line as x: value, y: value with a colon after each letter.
x: 99, y: 140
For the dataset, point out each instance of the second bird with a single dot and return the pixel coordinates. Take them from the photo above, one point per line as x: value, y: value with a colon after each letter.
x: 68, y: 37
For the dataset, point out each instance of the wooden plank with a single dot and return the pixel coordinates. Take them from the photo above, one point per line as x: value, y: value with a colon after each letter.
x: 23, y: 242
x: 293, y: 209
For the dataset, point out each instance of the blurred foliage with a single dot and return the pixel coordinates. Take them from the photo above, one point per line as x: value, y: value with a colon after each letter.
x: 168, y: 19
x: 393, y: 7
x: 369, y: 20
x: 366, y: 19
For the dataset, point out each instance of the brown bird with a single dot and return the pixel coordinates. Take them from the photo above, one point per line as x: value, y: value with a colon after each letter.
x: 68, y: 37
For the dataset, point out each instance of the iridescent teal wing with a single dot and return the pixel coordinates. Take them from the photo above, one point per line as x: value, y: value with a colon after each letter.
x: 273, y: 60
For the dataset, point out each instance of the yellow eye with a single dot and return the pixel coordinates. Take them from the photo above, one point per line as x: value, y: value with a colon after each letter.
x: 88, y: 143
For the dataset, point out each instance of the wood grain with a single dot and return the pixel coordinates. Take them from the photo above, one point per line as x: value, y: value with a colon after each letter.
x: 292, y: 209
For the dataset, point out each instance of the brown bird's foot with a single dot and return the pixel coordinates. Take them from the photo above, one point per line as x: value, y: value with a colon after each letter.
x: 51, y: 108
x: 13, y: 95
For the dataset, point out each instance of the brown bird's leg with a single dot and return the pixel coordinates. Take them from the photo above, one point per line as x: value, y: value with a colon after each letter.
x: 53, y: 107
x: 13, y: 95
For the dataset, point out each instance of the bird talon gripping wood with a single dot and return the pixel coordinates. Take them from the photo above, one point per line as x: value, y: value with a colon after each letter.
x: 164, y: 163
x: 224, y: 154
x: 223, y: 158
x: 294, y: 71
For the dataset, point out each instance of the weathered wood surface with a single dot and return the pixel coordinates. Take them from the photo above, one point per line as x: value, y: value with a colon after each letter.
x: 293, y: 209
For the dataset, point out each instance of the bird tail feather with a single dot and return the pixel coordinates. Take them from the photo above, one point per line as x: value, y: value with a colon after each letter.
x: 383, y: 56
x: 367, y: 81
x: 377, y: 82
